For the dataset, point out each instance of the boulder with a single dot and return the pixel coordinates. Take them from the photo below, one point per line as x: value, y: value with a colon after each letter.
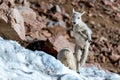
x: 12, y: 23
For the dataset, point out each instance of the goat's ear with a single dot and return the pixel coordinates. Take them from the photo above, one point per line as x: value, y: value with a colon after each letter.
x: 73, y: 10
x: 83, y: 13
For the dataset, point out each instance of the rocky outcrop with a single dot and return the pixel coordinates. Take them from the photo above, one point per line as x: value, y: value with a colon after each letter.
x: 12, y: 23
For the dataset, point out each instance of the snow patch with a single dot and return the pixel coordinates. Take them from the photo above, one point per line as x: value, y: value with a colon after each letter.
x: 18, y: 63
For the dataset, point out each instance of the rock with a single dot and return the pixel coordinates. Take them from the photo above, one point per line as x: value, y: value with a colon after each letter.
x: 11, y: 3
x: 56, y: 23
x: 34, y: 27
x: 56, y: 30
x: 46, y: 33
x: 118, y: 49
x: 19, y: 1
x: 112, y: 0
x: 43, y: 7
x: 27, y: 13
x: 3, y: 12
x: 74, y: 3
x: 37, y: 35
x: 56, y: 8
x: 17, y: 22
x: 89, y: 3
x: 3, y: 6
x: 103, y: 39
x: 117, y: 18
x: 45, y: 46
x: 114, y: 57
x: 58, y: 16
x: 22, y: 2
x: 61, y: 42
x: 91, y: 57
x: 62, y: 1
x: 92, y: 22
x: 30, y: 39
x: 1, y: 1
x: 106, y: 2
x: 12, y: 23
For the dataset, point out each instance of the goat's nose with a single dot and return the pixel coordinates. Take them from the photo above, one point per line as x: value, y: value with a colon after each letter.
x: 74, y: 22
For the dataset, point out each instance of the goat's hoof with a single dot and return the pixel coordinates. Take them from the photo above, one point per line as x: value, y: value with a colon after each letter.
x: 78, y: 72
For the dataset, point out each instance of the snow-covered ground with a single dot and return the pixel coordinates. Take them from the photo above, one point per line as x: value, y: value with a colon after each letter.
x: 18, y: 63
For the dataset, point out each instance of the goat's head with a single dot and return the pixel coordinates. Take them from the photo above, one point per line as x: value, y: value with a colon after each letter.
x: 76, y: 17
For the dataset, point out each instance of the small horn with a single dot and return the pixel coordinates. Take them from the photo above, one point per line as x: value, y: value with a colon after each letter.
x: 83, y: 13
x: 73, y: 10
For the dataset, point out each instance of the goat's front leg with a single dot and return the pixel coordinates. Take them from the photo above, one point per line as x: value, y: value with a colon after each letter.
x: 86, y: 36
x: 83, y: 35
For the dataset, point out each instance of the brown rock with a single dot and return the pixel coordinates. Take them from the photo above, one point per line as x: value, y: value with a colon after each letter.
x: 11, y: 3
x: 37, y: 35
x: 35, y: 25
x: 12, y: 24
x: 118, y: 49
x: 92, y: 22
x: 57, y: 16
x: 3, y: 6
x: 107, y: 2
x: 103, y: 39
x: 61, y: 42
x: 27, y: 12
x: 3, y: 12
x: 1, y: 1
x: 46, y: 33
x: 114, y: 57
x: 50, y: 48
x: 19, y: 1
x: 57, y: 30
x: 45, y: 46
x: 33, y: 28
x: 17, y: 22
x: 90, y: 57
x: 56, y: 8
x: 102, y: 58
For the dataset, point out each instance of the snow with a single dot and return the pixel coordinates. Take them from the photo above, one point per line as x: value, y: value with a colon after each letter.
x: 93, y: 73
x: 18, y: 63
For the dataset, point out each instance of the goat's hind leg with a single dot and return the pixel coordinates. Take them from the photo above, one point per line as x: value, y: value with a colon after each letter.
x: 85, y: 54
x: 78, y: 54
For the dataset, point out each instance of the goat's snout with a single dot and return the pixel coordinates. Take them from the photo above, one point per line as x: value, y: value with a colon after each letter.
x: 74, y: 22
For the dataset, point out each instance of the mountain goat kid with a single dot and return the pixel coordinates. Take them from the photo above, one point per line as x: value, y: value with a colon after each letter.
x: 82, y: 34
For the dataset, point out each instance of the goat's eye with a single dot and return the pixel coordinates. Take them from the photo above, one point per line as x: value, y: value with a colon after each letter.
x: 78, y: 17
